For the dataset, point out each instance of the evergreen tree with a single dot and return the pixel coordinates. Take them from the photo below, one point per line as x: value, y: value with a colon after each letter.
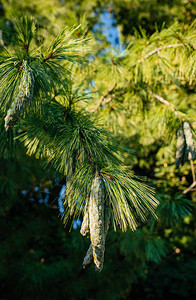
x: 84, y: 152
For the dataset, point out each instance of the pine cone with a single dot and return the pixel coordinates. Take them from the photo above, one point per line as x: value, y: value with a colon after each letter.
x: 23, y: 98
x: 189, y: 141
x: 96, y: 222
x: 98, y: 248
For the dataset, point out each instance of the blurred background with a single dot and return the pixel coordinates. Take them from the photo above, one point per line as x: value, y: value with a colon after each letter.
x: 40, y: 258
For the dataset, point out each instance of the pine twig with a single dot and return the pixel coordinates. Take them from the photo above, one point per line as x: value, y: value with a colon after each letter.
x: 157, y: 50
x: 49, y: 56
x: 161, y: 99
x: 190, y: 188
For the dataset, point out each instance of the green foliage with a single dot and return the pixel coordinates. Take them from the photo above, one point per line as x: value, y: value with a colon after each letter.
x: 47, y: 70
x: 82, y: 148
x: 172, y: 209
x: 25, y: 32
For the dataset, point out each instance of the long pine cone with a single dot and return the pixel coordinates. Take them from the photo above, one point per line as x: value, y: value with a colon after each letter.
x: 97, y: 217
x: 89, y: 255
x: 96, y: 222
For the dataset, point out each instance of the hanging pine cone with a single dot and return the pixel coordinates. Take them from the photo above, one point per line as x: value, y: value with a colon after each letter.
x: 96, y: 222
x: 89, y: 255
x: 180, y: 147
x: 25, y: 94
x: 189, y: 141
x: 96, y: 213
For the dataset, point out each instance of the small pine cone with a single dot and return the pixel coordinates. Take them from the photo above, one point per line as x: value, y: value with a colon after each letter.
x: 96, y: 222
x: 180, y: 148
x: 189, y: 141
x: 22, y: 100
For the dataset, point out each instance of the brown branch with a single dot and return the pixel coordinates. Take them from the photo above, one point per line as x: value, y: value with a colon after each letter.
x: 191, y: 187
x: 161, y: 99
x: 157, y: 50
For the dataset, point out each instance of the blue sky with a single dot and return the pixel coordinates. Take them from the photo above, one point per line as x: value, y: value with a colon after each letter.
x: 108, y: 26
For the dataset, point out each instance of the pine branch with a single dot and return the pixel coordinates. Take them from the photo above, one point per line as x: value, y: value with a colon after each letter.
x: 190, y: 188
x: 49, y: 56
x: 25, y: 32
x: 157, y: 50
x: 66, y: 47
x: 161, y: 99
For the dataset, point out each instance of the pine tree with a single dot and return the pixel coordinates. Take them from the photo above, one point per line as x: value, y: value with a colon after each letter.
x: 87, y: 148
x: 142, y: 95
